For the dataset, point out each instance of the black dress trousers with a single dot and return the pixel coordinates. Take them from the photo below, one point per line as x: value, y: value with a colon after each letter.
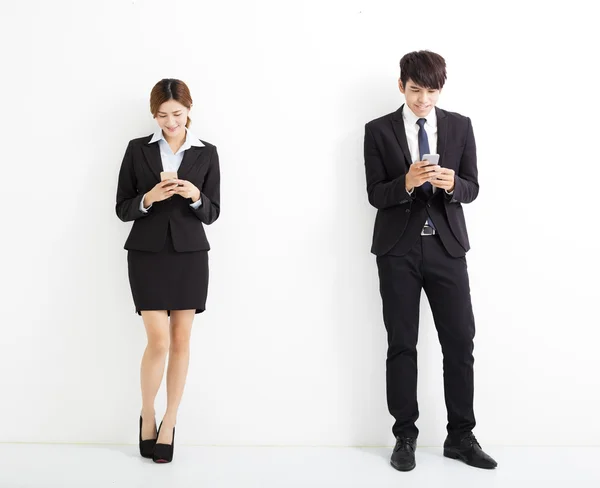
x: 444, y: 278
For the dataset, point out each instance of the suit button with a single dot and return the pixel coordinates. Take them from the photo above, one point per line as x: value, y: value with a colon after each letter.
x: 407, y: 210
x: 429, y: 205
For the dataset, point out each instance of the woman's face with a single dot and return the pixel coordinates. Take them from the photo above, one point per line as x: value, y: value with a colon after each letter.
x: 171, y: 118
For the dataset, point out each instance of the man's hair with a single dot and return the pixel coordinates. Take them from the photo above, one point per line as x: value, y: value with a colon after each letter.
x: 425, y: 68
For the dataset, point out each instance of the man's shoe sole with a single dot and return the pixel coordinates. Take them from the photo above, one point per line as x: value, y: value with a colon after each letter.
x: 398, y: 468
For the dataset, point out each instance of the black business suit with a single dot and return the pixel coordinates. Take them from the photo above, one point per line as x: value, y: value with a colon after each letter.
x: 408, y: 262
x: 168, y: 262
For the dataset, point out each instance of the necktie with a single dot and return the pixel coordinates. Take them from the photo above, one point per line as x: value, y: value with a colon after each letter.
x: 424, y: 149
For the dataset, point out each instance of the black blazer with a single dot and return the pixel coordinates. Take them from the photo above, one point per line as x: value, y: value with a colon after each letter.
x: 140, y: 172
x: 400, y: 216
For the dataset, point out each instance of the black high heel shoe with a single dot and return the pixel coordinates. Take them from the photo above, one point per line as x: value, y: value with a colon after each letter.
x: 163, y: 453
x: 147, y: 446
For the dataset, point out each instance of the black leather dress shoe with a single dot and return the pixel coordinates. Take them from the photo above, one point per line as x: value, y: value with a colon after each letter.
x: 468, y: 450
x: 403, y: 457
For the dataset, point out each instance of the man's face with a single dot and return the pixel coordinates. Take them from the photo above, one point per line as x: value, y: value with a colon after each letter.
x: 419, y: 99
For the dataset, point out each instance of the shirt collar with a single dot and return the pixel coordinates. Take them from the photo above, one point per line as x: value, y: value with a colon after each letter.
x: 410, y: 117
x: 190, y: 139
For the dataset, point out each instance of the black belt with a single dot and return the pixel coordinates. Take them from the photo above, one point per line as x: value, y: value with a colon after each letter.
x: 428, y: 231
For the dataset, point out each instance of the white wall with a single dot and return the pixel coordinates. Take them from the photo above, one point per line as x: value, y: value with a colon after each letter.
x: 292, y: 348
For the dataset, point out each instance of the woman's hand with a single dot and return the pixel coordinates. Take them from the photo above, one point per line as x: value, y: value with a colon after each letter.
x: 160, y: 192
x: 187, y: 190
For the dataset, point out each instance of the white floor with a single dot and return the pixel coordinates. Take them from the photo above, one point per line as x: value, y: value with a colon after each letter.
x: 66, y: 466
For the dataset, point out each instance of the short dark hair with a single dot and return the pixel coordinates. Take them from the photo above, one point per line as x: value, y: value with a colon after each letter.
x: 425, y: 68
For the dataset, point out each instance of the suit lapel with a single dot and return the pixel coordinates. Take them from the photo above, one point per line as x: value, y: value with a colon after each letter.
x: 400, y: 132
x: 190, y: 157
x: 442, y: 127
x: 152, y: 153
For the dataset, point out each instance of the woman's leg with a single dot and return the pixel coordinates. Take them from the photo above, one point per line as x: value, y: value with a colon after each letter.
x: 153, y: 366
x: 179, y: 357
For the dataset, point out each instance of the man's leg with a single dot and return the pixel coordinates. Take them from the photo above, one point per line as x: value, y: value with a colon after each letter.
x: 446, y: 283
x: 400, y: 286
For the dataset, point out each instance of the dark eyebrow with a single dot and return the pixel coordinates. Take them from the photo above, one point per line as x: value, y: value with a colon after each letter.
x: 417, y: 87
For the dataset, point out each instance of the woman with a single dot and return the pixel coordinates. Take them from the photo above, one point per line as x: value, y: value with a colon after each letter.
x: 169, y: 186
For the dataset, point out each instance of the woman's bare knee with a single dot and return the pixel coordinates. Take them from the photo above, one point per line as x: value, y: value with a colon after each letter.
x: 157, y: 331
x: 181, y: 328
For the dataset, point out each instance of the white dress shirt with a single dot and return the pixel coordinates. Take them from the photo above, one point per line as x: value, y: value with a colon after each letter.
x: 412, y: 135
x: 172, y: 161
x: 412, y: 132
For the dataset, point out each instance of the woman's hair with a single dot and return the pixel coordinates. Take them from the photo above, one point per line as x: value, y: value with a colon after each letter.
x: 425, y: 68
x: 170, y: 89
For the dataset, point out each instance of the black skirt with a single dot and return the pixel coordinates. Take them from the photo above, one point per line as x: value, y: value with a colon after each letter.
x: 168, y: 280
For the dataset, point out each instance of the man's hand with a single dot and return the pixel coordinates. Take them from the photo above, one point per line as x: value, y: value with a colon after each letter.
x: 444, y: 179
x: 419, y: 173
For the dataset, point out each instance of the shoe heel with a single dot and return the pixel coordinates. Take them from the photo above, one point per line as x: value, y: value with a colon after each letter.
x: 451, y: 454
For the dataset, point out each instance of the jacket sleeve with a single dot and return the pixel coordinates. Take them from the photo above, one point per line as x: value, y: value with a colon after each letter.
x: 210, y: 209
x: 382, y: 191
x: 466, y: 186
x: 128, y: 200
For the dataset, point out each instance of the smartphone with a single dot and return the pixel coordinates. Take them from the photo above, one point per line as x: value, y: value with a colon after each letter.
x: 168, y: 175
x: 432, y: 158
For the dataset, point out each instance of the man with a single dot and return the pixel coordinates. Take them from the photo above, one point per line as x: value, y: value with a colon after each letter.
x: 420, y: 240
